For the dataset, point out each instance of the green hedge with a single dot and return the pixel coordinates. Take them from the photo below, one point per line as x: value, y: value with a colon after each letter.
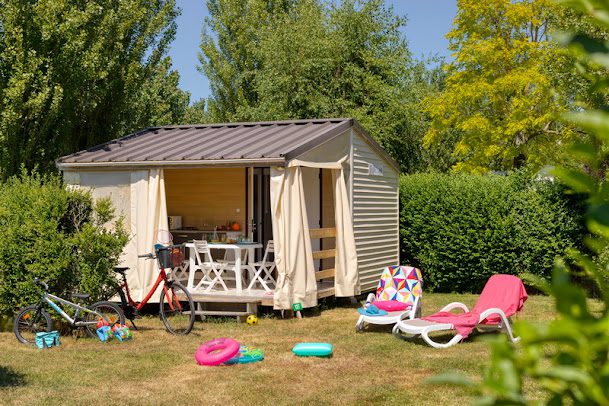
x: 460, y: 229
x: 55, y: 234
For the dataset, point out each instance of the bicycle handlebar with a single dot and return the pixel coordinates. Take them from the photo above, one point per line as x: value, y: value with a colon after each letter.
x: 149, y: 256
x: 41, y: 283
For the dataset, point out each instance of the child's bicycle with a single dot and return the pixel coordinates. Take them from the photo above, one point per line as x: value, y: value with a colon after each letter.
x: 176, y: 306
x: 34, y: 319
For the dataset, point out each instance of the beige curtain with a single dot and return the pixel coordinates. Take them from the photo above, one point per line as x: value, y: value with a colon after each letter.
x: 346, y: 279
x: 148, y: 215
x: 293, y: 255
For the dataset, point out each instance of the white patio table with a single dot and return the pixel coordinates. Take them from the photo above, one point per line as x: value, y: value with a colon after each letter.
x: 237, y: 248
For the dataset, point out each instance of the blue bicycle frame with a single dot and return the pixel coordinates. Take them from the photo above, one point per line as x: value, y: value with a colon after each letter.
x: 48, y: 298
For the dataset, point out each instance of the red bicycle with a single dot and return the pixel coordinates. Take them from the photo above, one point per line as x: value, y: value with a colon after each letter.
x: 176, y: 308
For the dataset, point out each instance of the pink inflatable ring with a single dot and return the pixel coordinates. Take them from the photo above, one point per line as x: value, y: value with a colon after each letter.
x: 216, y: 352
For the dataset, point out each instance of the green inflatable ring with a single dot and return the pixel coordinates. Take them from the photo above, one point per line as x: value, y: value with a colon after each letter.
x: 246, y: 355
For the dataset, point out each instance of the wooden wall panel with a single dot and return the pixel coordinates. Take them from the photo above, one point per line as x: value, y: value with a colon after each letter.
x: 206, y: 197
x: 327, y: 214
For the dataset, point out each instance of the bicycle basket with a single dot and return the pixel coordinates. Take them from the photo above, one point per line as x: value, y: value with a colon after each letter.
x: 171, y: 257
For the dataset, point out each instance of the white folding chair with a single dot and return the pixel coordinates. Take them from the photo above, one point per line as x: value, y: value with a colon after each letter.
x: 263, y: 270
x: 212, y: 271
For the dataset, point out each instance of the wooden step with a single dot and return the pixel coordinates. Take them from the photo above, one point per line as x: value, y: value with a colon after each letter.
x: 317, y: 233
x: 324, y: 254
x: 325, y: 274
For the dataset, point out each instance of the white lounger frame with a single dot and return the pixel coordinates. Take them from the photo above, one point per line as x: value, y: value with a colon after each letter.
x: 391, y: 317
x: 423, y: 329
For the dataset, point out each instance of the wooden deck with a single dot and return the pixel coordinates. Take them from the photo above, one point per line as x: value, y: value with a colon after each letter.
x: 324, y: 289
x: 230, y: 303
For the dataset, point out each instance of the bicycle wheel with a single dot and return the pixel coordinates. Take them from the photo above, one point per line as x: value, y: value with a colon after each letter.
x: 110, y: 312
x: 30, y: 321
x: 177, y: 309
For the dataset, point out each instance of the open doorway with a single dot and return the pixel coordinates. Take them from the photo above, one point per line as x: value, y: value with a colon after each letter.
x: 261, y: 225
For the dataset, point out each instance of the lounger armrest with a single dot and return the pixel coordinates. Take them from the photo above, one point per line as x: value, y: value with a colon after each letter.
x: 504, y: 320
x: 455, y: 305
x: 406, y: 315
x: 371, y: 298
x: 493, y: 310
x: 415, y: 308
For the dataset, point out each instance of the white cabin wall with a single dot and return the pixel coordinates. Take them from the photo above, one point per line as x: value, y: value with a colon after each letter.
x: 375, y: 203
x: 115, y: 185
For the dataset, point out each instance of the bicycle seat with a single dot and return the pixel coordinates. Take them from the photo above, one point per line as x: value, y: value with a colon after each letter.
x: 83, y: 296
x: 120, y: 269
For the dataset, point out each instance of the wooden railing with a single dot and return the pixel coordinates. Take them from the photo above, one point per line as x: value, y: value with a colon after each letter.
x: 320, y: 233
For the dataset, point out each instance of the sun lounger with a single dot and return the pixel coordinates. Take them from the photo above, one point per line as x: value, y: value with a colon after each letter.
x: 398, y: 294
x: 502, y: 297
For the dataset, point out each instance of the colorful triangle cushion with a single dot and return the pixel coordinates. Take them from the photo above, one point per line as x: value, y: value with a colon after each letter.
x: 400, y: 283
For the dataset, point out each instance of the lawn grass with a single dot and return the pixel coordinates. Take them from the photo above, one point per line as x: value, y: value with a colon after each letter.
x: 158, y: 368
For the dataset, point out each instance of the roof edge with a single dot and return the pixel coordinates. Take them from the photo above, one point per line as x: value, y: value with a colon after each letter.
x: 349, y: 123
x: 322, y: 139
x: 241, y: 123
x: 62, y: 166
x: 358, y: 127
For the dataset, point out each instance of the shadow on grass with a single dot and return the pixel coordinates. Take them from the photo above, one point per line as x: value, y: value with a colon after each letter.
x: 442, y: 337
x: 10, y: 378
x: 377, y: 328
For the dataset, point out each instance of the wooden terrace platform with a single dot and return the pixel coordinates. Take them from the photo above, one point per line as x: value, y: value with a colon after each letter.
x: 230, y: 303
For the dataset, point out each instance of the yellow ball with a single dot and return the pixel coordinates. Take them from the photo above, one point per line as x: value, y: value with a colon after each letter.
x: 251, y: 320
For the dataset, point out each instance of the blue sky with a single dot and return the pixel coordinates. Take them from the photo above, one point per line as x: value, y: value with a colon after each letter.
x: 428, y: 23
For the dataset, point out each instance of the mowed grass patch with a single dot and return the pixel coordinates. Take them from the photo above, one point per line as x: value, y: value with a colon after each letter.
x: 158, y: 368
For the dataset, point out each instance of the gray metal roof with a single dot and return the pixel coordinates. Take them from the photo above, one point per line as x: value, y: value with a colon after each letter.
x: 233, y: 143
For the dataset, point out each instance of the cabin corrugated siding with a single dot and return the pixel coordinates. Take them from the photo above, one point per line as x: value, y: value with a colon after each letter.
x: 375, y: 213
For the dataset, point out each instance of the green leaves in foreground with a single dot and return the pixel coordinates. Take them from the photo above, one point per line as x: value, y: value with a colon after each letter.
x: 568, y: 358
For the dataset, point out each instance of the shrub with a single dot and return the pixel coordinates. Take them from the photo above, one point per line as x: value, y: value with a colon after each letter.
x: 460, y: 229
x: 55, y: 234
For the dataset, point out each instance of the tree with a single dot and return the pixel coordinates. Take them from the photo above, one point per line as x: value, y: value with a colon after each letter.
x: 507, y: 85
x: 567, y: 357
x: 325, y: 60
x: 228, y: 51
x: 196, y: 113
x: 74, y: 74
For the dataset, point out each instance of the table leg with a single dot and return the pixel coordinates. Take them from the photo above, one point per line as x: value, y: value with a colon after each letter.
x: 238, y: 285
x: 251, y: 259
x: 191, y: 268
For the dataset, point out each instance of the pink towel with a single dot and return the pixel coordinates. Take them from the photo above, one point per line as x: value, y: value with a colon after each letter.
x: 505, y: 292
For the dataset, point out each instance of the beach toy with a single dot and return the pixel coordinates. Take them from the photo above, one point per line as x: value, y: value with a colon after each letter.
x: 246, y: 355
x: 121, y: 332
x: 101, y: 323
x: 216, y: 352
x: 313, y: 350
x: 104, y: 333
x: 251, y: 320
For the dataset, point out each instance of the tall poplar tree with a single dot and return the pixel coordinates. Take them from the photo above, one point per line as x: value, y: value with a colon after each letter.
x: 77, y: 73
x: 314, y: 59
x: 229, y: 58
